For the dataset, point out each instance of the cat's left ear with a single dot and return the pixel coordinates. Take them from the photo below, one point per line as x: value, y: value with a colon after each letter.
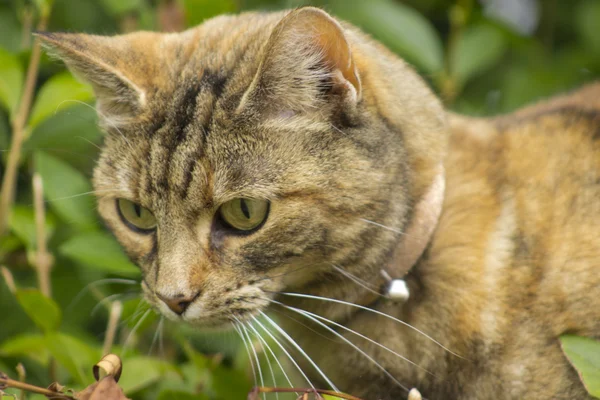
x: 306, y: 60
x: 111, y: 65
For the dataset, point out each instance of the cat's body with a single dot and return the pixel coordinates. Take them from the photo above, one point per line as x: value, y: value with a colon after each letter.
x: 345, y: 141
x: 513, y: 265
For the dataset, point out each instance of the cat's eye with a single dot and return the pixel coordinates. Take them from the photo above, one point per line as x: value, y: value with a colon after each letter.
x: 135, y: 216
x: 244, y: 214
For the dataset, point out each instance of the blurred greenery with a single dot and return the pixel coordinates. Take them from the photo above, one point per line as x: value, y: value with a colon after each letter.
x: 480, y: 61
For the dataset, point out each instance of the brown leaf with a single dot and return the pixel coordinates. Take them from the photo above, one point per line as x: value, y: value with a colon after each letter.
x: 109, y: 365
x: 106, y: 389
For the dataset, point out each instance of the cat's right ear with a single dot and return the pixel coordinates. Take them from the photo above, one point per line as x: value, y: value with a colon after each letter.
x: 100, y: 61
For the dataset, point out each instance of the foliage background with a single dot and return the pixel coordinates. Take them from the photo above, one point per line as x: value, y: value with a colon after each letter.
x: 479, y: 60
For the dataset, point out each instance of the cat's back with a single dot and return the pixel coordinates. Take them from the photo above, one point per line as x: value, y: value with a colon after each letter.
x: 521, y: 226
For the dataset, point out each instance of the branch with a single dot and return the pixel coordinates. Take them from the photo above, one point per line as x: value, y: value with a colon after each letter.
x: 43, y: 259
x: 9, y: 181
x: 6, y: 382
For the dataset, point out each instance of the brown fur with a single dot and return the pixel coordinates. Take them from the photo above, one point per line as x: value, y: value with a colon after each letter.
x: 336, y: 131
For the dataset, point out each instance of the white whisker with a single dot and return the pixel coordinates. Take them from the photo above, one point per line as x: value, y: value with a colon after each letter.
x: 299, y: 311
x: 238, y: 329
x: 285, y: 352
x: 260, y: 375
x: 135, y: 328
x: 396, y: 230
x: 112, y: 297
x: 362, y: 283
x: 270, y: 350
x: 307, y: 315
x: 91, y: 285
x: 308, y: 296
x: 156, y: 335
x: 297, y: 346
x: 99, y: 113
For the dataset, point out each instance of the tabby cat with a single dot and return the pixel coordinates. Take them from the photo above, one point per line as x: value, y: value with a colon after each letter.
x: 286, y: 161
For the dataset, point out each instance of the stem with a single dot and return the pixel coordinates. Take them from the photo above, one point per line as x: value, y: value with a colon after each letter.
x: 305, y: 390
x: 22, y: 376
x: 8, y: 278
x: 11, y: 383
x: 9, y: 181
x: 458, y: 16
x: 43, y: 259
x: 113, y: 322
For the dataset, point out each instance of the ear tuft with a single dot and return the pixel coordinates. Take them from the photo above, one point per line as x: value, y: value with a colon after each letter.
x: 307, y: 54
x: 94, y: 59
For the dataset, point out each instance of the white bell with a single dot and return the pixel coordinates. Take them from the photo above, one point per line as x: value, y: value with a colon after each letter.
x: 398, y: 290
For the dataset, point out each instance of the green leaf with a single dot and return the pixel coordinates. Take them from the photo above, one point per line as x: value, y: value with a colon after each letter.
x: 120, y: 7
x: 22, y: 224
x: 399, y: 27
x: 100, y: 251
x: 75, y: 355
x: 71, y: 135
x: 11, y: 81
x: 197, y: 11
x: 10, y: 29
x: 141, y: 372
x: 61, y: 91
x: 169, y: 394
x: 479, y: 48
x: 584, y: 355
x: 67, y: 191
x: 587, y: 17
x: 32, y: 345
x: 41, y: 309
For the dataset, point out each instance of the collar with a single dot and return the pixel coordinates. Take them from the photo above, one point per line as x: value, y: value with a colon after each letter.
x: 415, y: 238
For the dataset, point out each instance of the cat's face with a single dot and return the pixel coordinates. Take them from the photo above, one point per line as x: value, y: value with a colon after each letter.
x: 243, y: 157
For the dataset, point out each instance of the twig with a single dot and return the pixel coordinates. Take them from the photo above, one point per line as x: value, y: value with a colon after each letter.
x: 6, y: 382
x: 43, y: 259
x: 9, y: 181
x: 113, y: 322
x: 261, y: 389
x: 8, y: 278
x: 22, y: 376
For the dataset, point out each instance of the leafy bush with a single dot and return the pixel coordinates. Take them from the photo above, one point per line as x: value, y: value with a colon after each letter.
x: 479, y: 62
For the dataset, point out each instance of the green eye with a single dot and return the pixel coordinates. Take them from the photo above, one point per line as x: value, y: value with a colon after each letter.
x: 135, y: 216
x: 244, y: 214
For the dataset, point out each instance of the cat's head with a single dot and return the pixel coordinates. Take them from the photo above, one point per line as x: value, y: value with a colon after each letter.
x: 253, y: 154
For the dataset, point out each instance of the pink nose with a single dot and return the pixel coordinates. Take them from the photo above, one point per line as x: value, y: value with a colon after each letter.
x: 178, y: 304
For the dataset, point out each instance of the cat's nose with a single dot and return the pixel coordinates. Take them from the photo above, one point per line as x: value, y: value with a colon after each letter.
x: 179, y: 303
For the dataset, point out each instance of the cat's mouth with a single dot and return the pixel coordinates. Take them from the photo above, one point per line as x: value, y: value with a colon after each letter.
x: 210, y: 312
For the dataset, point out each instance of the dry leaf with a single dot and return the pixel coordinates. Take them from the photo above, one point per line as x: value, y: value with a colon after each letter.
x: 106, y: 389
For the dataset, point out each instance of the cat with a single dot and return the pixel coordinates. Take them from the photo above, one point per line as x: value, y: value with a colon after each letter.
x: 273, y: 161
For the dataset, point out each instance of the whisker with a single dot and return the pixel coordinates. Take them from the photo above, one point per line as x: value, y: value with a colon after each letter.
x: 135, y: 328
x: 99, y: 113
x: 108, y: 299
x: 266, y: 345
x: 161, y: 341
x: 260, y: 375
x: 309, y: 296
x: 78, y: 195
x: 297, y: 346
x: 91, y: 285
x: 300, y: 311
x: 156, y: 334
x: 307, y: 315
x: 362, y: 283
x: 284, y: 351
x: 395, y: 230
x: 238, y: 329
x: 89, y: 141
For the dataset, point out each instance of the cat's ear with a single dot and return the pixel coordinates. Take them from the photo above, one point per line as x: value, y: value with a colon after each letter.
x: 307, y: 59
x: 101, y: 61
